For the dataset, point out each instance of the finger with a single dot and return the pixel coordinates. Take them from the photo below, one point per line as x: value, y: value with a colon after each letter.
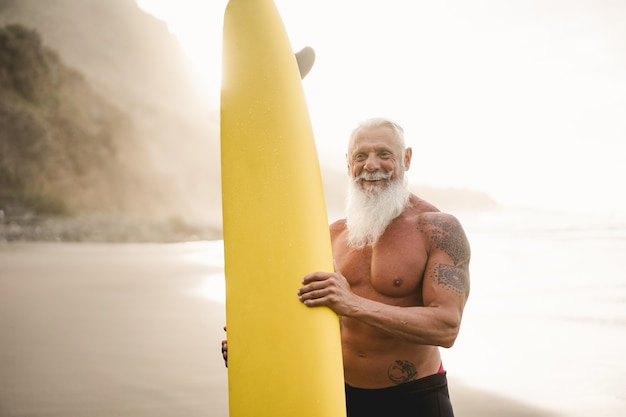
x: 315, y: 276
x: 314, y: 294
x: 315, y: 302
x: 225, y: 352
x: 313, y: 286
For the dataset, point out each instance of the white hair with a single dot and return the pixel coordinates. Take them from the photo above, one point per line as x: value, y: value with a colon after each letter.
x: 369, y: 212
x: 380, y: 122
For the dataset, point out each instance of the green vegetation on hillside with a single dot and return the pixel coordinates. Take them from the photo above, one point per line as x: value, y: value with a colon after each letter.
x: 66, y: 151
x: 58, y: 139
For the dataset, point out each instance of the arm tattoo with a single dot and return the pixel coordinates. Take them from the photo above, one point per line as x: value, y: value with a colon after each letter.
x: 453, y: 278
x: 402, y: 371
x: 448, y: 237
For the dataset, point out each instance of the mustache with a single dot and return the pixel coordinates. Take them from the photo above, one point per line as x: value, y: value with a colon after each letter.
x: 373, y: 176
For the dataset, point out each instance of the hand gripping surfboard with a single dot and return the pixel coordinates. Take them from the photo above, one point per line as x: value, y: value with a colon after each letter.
x: 284, y: 359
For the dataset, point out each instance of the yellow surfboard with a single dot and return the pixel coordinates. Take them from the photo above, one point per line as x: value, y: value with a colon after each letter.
x: 284, y: 359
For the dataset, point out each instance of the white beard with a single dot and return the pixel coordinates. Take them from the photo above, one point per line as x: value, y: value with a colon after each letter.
x: 369, y: 211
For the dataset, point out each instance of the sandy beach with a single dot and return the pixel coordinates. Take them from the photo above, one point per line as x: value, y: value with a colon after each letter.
x: 124, y: 330
x: 107, y: 330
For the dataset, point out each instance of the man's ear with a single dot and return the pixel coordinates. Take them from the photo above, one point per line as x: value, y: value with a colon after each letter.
x: 408, y: 154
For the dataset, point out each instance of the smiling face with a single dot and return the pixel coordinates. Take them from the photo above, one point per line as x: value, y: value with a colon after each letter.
x: 377, y: 193
x: 376, y: 156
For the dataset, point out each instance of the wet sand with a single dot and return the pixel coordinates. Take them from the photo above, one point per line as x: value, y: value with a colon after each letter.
x: 120, y: 330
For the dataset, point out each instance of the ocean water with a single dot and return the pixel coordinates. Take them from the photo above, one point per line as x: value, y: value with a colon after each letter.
x: 546, y: 320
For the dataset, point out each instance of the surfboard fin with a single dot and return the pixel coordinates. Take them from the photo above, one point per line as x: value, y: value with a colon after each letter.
x: 305, y: 58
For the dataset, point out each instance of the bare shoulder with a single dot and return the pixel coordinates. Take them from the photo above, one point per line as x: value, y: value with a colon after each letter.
x: 338, y: 224
x: 337, y: 227
x: 420, y: 205
x: 445, y: 232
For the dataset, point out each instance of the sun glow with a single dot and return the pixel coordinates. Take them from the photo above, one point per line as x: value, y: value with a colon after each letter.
x: 198, y: 27
x: 524, y: 104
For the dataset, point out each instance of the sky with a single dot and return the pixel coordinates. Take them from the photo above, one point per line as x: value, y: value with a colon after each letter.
x: 524, y: 100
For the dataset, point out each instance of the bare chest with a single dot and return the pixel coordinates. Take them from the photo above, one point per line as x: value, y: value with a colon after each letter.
x: 391, y: 270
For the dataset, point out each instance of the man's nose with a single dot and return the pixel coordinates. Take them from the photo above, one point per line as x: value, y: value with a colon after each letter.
x: 372, y: 164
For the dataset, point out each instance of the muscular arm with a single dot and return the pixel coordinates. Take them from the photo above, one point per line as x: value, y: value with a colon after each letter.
x: 445, y: 290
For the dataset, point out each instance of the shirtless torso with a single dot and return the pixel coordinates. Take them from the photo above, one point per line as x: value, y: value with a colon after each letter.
x: 403, y: 297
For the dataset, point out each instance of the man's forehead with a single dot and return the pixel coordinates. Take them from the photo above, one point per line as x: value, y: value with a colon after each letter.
x: 375, y: 131
x: 381, y: 136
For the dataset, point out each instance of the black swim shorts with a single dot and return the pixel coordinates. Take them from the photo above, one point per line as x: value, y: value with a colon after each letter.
x: 424, y: 397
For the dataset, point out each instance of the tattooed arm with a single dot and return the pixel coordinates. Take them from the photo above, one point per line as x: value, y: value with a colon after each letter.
x: 445, y: 288
x: 446, y: 281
